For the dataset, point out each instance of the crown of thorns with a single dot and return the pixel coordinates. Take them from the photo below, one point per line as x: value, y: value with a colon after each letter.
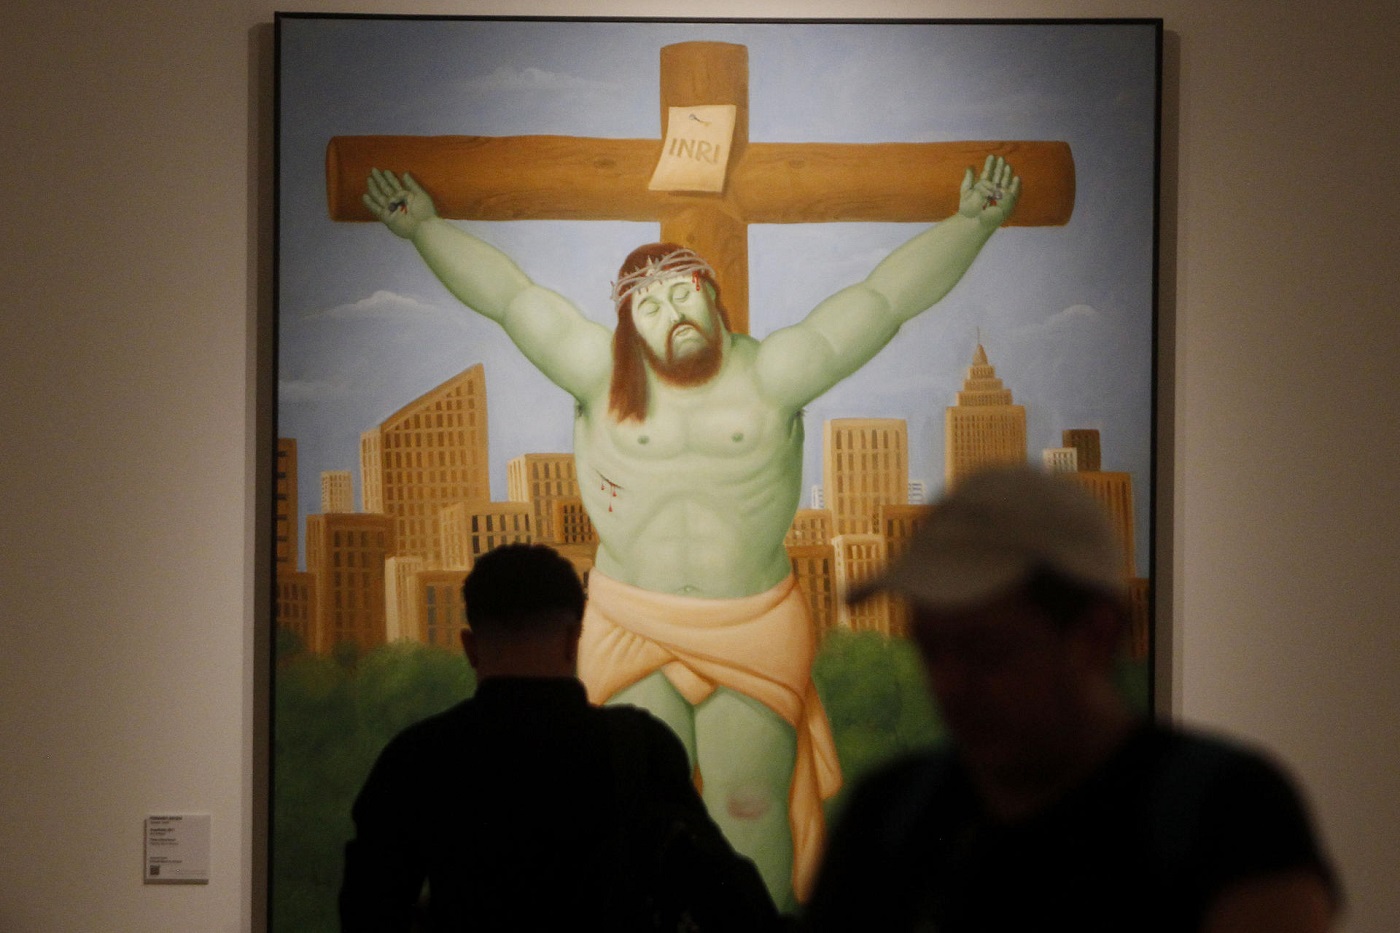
x: 680, y: 262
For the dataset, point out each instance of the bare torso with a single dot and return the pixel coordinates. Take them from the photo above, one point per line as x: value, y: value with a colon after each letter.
x: 696, y: 499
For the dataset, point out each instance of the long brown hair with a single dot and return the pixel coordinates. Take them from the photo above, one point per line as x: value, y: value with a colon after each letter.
x: 627, y: 394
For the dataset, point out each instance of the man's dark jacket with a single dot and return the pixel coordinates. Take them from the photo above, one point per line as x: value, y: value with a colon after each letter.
x: 527, y: 808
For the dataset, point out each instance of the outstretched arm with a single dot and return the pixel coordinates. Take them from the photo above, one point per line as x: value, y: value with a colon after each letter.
x: 845, y: 331
x: 572, y: 351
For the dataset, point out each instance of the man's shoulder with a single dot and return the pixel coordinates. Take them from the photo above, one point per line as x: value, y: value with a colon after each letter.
x: 1208, y: 756
x: 635, y: 722
x: 435, y: 731
x: 1232, y: 782
x: 1230, y: 810
x: 635, y: 735
x: 908, y: 787
x: 936, y: 763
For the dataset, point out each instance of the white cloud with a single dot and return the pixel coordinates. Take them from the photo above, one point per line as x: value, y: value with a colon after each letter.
x: 382, y: 305
x: 1076, y: 315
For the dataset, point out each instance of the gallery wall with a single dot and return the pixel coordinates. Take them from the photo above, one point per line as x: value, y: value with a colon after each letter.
x: 133, y: 278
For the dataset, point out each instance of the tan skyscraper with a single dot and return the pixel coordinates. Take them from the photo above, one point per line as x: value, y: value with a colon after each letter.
x: 572, y: 526
x: 285, y: 503
x: 400, y: 591
x: 581, y: 557
x: 810, y: 526
x: 296, y: 604
x: 1086, y: 442
x: 429, y: 454
x: 336, y: 495
x: 372, y: 471
x: 470, y: 529
x: 424, y: 606
x: 984, y: 427
x: 541, y: 480
x: 858, y: 557
x: 345, y: 552
x: 865, y: 464
x: 1060, y: 459
x: 1115, y: 492
x: 439, y: 613
x: 814, y: 566
x: 897, y: 524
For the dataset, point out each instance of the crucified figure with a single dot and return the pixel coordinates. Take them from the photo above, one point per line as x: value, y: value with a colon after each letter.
x: 688, y: 447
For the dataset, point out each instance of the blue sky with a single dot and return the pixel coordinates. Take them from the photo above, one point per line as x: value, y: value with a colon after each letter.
x: 1065, y: 313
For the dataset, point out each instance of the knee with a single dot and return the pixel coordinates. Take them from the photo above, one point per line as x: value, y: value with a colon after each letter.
x: 750, y: 803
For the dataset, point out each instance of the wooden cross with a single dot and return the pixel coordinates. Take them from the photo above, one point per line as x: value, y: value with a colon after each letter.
x: 572, y: 178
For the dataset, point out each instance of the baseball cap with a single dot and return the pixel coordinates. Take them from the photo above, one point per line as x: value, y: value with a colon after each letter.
x: 993, y: 531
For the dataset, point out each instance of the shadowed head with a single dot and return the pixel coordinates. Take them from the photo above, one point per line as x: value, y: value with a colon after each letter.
x: 524, y: 606
x: 1016, y: 586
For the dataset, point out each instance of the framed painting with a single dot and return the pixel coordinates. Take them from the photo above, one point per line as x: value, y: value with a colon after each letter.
x: 481, y: 224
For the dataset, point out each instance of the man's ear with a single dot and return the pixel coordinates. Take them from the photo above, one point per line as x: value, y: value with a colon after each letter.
x: 469, y: 645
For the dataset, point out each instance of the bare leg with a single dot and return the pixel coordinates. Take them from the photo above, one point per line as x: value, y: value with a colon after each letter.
x: 655, y: 694
x: 747, y: 754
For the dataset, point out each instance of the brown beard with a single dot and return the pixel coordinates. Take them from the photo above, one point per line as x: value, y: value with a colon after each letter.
x: 691, y: 370
x: 627, y: 392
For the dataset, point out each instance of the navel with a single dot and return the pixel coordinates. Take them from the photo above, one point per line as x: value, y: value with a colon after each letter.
x: 643, y: 439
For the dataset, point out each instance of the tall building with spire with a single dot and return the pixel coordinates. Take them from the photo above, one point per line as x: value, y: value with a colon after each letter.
x: 427, y: 455
x: 984, y: 427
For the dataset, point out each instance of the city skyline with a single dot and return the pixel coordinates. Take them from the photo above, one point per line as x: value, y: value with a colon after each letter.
x: 387, y: 570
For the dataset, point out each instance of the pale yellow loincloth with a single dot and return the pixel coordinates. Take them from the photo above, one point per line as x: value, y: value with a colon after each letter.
x: 761, y: 646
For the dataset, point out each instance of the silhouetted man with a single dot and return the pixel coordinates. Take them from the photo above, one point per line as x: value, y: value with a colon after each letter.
x: 1055, y: 806
x: 527, y: 808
